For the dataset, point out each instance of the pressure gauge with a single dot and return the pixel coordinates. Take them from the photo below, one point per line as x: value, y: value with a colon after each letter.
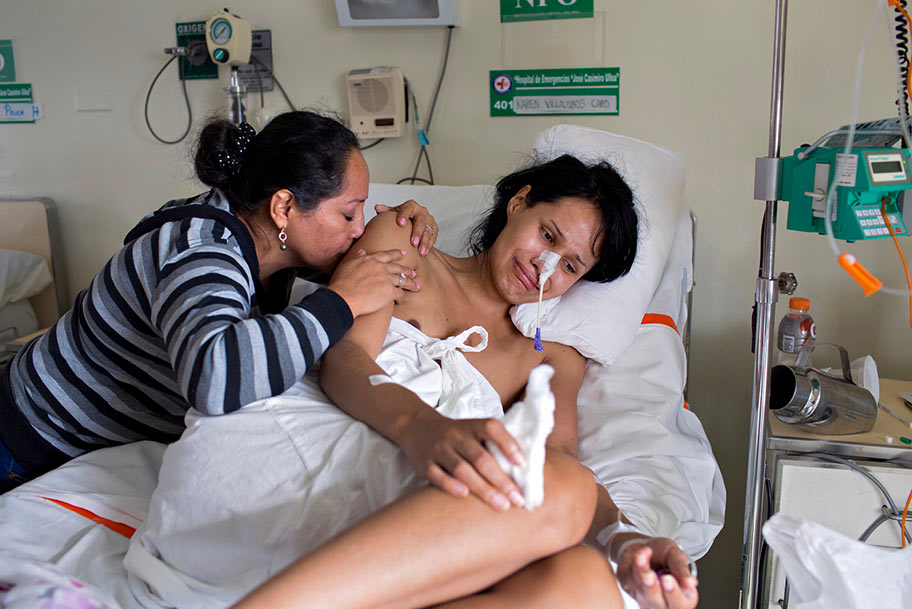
x: 220, y: 31
x: 228, y: 38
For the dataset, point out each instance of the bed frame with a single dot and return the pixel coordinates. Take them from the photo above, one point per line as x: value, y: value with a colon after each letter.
x: 30, y: 225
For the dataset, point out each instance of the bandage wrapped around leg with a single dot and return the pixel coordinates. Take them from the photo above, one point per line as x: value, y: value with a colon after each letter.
x: 530, y: 421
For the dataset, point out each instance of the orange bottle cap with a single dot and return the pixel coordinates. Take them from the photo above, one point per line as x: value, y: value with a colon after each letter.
x: 802, y: 304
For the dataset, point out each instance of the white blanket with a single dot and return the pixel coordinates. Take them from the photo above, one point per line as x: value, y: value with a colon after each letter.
x: 242, y: 496
x: 649, y: 451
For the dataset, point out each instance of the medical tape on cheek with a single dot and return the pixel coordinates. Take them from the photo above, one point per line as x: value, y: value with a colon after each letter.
x: 379, y: 379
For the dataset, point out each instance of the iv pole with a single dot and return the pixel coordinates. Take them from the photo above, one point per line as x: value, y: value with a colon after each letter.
x: 765, y: 308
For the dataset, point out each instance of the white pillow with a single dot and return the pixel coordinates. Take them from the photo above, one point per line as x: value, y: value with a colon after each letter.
x: 601, y: 319
x: 455, y: 208
x: 22, y: 274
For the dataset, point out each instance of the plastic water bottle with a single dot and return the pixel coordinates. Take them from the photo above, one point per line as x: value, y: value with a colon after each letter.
x: 796, y: 327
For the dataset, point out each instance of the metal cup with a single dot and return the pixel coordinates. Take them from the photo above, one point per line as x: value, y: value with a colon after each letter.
x: 818, y: 402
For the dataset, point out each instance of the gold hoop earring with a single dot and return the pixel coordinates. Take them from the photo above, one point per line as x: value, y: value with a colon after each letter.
x: 283, y: 237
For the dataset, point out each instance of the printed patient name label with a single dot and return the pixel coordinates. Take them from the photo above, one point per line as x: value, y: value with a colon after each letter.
x: 554, y: 91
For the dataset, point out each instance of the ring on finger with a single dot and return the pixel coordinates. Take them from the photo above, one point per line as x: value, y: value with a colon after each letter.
x: 430, y: 229
x: 401, y: 279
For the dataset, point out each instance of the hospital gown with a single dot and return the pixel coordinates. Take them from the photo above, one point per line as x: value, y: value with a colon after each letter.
x: 242, y: 496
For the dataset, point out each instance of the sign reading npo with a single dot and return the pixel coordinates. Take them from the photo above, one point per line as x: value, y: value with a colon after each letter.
x: 534, y: 10
x: 555, y: 91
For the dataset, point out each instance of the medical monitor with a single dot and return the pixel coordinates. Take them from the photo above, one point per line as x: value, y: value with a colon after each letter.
x: 359, y: 13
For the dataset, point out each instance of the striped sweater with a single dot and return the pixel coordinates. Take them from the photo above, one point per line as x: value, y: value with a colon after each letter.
x: 176, y: 319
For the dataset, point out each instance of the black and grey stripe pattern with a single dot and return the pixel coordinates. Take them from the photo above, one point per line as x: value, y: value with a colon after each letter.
x: 171, y: 322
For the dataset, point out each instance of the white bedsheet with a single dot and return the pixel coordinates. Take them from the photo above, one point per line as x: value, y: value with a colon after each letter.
x: 242, y: 496
x: 668, y: 482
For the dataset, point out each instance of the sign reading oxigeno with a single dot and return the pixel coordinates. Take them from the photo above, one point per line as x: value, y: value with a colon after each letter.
x: 194, y: 31
x: 572, y: 91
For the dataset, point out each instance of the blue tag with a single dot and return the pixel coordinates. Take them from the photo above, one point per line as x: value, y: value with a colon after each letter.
x: 422, y: 138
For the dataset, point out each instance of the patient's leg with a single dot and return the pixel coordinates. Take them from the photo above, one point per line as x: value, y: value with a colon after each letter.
x: 580, y: 578
x: 430, y: 547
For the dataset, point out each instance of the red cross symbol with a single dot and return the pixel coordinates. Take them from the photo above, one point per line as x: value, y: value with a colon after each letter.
x: 502, y: 84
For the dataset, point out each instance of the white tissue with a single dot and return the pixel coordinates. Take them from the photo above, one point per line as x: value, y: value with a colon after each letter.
x: 530, y: 421
x: 550, y: 260
x: 864, y: 373
x: 379, y: 379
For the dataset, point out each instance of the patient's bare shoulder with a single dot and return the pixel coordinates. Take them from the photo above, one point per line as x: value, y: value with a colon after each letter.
x: 383, y: 233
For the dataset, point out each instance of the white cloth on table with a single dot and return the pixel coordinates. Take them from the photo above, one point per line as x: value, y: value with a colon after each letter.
x: 243, y: 495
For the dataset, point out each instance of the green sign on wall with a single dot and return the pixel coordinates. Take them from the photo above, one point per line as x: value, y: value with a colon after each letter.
x: 572, y: 91
x: 536, y: 10
x: 7, y: 61
x: 16, y: 105
x: 193, y: 31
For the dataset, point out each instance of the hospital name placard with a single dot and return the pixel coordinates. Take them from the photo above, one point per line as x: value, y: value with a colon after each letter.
x: 546, y: 92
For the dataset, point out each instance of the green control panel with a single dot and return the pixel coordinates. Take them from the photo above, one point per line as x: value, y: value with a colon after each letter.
x: 870, y: 179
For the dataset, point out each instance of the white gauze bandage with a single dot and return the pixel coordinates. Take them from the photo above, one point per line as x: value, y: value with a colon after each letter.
x: 530, y: 421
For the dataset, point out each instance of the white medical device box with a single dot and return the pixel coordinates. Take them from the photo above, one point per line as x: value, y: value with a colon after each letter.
x: 376, y: 101
x: 359, y: 13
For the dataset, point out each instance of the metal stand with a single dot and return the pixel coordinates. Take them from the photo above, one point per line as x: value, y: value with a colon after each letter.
x: 765, y: 308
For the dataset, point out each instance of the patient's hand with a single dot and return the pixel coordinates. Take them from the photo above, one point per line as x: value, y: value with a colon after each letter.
x: 452, y: 456
x: 638, y: 570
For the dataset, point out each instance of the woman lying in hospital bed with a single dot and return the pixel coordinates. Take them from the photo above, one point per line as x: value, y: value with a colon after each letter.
x: 634, y: 435
x: 241, y: 497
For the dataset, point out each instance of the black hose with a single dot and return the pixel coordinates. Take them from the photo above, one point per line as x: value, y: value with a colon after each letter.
x: 186, y: 100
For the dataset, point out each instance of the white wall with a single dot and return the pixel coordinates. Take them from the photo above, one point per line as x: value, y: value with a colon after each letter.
x: 695, y: 77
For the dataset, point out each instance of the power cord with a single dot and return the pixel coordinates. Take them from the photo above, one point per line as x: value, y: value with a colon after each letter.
x: 887, y: 514
x: 864, y: 472
x: 423, y: 133
x: 372, y: 144
x: 257, y: 61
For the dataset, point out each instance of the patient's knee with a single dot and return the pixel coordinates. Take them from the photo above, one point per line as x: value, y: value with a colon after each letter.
x: 570, y: 498
x: 578, y: 577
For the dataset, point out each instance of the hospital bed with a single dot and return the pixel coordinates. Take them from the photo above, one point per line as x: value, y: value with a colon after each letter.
x: 637, y: 433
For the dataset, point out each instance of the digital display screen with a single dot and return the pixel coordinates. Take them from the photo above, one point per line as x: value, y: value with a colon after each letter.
x: 886, y: 166
x: 387, y: 122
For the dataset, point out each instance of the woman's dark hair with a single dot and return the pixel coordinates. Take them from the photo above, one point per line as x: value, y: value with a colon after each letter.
x: 302, y: 151
x: 567, y: 176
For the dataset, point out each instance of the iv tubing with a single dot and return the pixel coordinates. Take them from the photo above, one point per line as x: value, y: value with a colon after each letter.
x: 903, y: 525
x: 902, y: 257
x: 840, y: 162
x: 850, y: 138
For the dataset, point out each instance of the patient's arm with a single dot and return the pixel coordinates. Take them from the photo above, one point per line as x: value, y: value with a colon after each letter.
x: 569, y: 368
x: 640, y: 559
x: 449, y: 453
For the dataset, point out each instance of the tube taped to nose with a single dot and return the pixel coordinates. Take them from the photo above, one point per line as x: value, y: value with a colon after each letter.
x: 550, y: 260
